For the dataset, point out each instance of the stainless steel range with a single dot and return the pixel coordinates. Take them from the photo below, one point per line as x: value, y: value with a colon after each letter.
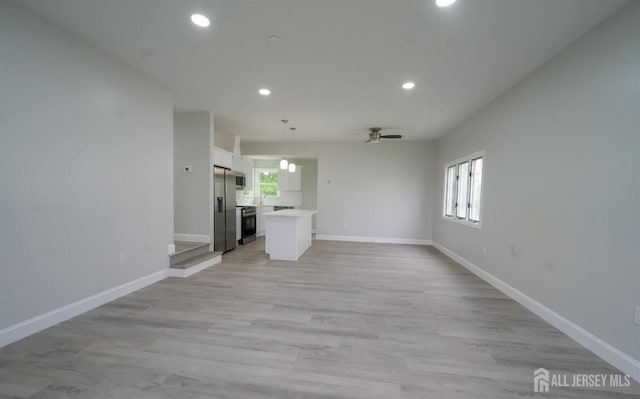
x: 248, y: 224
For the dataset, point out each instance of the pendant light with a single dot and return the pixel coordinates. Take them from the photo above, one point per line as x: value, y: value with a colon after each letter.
x: 292, y: 166
x: 284, y: 164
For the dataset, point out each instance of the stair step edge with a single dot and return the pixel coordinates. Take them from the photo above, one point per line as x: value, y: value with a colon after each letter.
x: 195, y: 261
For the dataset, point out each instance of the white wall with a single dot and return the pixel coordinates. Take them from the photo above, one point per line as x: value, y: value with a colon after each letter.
x: 560, y: 218
x: 309, y: 186
x: 369, y: 190
x: 191, y: 143
x: 86, y: 169
x: 224, y: 141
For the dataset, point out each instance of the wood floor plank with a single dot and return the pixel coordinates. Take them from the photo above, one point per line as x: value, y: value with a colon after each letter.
x: 349, y: 320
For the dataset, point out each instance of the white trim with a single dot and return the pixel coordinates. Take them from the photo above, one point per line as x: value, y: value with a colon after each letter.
x: 608, y: 353
x: 35, y: 324
x: 382, y: 240
x: 194, y: 269
x: 477, y: 154
x: 191, y: 237
x: 463, y: 222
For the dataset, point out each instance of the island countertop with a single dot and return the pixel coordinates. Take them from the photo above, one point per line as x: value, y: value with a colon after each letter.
x: 292, y: 212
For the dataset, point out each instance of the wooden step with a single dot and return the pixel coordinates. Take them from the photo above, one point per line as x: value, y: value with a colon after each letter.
x: 193, y: 265
x: 188, y: 250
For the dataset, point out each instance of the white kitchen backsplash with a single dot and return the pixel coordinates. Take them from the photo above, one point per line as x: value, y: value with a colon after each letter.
x: 241, y: 200
x: 286, y: 198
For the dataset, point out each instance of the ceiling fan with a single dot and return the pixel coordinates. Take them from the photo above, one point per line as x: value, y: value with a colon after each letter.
x: 375, y: 136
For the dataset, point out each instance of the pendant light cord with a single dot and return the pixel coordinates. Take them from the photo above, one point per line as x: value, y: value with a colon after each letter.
x: 284, y: 135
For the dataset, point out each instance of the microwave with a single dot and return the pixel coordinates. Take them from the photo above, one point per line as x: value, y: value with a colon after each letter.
x: 241, y: 181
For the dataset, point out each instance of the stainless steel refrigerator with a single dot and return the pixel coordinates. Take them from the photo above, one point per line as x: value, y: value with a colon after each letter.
x: 224, y: 213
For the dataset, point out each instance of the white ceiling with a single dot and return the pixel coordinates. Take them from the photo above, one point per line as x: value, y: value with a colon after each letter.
x: 341, y: 63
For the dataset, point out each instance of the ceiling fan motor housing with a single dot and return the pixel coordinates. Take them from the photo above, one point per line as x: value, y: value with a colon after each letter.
x: 374, y: 135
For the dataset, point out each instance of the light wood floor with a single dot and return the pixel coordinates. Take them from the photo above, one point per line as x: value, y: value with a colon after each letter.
x: 349, y: 320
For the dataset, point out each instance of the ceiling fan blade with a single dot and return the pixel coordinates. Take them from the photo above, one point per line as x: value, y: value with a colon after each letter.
x: 391, y: 136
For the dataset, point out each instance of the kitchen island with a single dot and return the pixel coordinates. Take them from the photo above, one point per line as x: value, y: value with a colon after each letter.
x: 288, y: 233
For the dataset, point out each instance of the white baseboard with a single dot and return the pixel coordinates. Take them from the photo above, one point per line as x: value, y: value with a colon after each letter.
x: 194, y: 269
x: 608, y: 353
x: 381, y: 240
x: 191, y: 237
x: 28, y: 327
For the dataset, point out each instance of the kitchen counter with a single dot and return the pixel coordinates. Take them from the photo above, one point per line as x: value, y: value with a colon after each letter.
x: 292, y: 212
x: 264, y: 205
x: 288, y: 233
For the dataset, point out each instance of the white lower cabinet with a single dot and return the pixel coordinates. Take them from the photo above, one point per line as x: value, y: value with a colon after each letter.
x: 260, y: 225
x: 238, y: 224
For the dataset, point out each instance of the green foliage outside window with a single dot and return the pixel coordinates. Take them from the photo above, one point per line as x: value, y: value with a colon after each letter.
x: 268, y: 183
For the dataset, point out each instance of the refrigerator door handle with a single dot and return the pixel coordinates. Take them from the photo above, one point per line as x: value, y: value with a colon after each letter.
x: 220, y: 208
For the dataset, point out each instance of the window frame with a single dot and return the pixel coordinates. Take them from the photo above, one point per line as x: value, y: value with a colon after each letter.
x: 472, y: 178
x: 467, y: 179
x: 454, y: 194
x: 466, y: 221
x: 256, y: 181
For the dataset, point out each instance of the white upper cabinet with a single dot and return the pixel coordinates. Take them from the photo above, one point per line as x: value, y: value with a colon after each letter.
x: 249, y: 173
x: 243, y: 165
x: 222, y: 158
x: 238, y: 165
x: 283, y: 180
x: 295, y: 179
x: 290, y: 181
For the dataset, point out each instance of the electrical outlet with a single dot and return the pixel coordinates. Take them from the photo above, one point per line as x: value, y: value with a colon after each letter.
x: 171, y: 249
x: 123, y: 259
x: 514, y: 251
x: 638, y: 315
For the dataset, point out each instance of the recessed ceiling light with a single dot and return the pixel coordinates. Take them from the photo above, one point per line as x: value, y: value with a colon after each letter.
x: 408, y: 85
x: 200, y: 20
x: 444, y: 3
x: 264, y: 92
x: 275, y: 40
